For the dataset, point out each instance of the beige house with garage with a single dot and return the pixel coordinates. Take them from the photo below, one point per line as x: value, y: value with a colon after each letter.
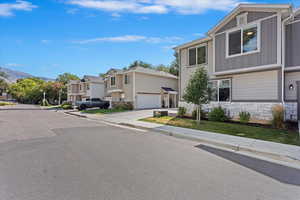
x: 87, y: 88
x: 252, y: 58
x: 142, y: 87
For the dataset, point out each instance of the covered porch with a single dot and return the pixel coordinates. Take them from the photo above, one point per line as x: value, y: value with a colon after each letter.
x: 169, y: 97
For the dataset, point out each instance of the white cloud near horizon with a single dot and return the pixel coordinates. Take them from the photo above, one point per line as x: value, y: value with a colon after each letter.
x: 7, y: 9
x: 156, y: 6
x: 130, y: 38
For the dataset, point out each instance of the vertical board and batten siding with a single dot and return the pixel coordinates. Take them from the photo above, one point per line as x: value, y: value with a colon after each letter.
x: 292, y: 39
x: 291, y: 78
x: 257, y: 86
x: 266, y: 56
x: 186, y: 71
x: 252, y: 16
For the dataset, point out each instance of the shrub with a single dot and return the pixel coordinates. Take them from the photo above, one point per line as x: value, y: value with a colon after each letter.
x: 181, y: 112
x: 244, y: 117
x: 67, y: 103
x: 217, y: 114
x: 278, y: 116
x: 67, y: 107
x: 123, y: 106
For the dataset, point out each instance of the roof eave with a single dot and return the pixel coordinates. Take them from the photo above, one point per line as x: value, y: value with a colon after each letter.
x: 241, y: 7
x: 197, y: 41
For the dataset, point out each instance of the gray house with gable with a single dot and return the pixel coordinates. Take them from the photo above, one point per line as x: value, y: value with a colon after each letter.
x: 253, y: 60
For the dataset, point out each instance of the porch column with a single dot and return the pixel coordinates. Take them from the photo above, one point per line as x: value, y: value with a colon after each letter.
x: 168, y: 100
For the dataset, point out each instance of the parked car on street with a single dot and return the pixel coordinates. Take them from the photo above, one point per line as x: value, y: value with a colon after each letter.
x: 92, y: 103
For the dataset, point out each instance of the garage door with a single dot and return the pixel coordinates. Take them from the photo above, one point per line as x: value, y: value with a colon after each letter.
x: 148, y: 101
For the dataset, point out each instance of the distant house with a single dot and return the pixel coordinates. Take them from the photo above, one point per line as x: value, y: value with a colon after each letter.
x: 252, y: 58
x: 143, y: 87
x: 86, y: 88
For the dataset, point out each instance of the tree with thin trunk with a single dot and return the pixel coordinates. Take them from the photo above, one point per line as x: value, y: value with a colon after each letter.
x: 197, y: 91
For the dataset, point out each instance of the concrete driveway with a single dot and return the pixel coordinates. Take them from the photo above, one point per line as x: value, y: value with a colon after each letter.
x: 45, y: 155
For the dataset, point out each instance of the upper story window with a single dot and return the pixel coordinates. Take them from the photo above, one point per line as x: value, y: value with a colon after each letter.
x: 197, y: 55
x: 80, y: 87
x: 112, y: 81
x: 242, y: 41
x: 126, y: 79
x: 87, y: 86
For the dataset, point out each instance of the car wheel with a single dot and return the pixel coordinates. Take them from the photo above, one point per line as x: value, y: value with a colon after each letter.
x: 82, y: 107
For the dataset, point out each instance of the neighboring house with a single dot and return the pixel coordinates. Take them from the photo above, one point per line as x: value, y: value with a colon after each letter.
x: 252, y: 58
x: 86, y: 88
x: 143, y: 87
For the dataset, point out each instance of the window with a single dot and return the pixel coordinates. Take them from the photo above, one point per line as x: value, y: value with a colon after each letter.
x: 80, y: 87
x: 219, y: 90
x: 112, y: 81
x: 87, y: 86
x: 250, y: 39
x: 126, y: 79
x: 243, y: 41
x: 197, y: 55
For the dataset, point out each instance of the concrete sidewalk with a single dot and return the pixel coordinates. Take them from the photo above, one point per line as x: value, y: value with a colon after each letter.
x: 278, y: 151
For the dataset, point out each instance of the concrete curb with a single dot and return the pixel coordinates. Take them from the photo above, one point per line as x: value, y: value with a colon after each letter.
x: 278, y: 157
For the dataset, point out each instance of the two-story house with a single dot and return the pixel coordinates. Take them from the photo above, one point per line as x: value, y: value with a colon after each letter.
x: 252, y: 58
x: 143, y: 87
x: 86, y: 88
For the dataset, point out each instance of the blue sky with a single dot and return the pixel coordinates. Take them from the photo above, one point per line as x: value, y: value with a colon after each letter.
x: 49, y: 37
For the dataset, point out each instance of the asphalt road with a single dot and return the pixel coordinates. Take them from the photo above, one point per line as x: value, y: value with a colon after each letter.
x: 46, y: 155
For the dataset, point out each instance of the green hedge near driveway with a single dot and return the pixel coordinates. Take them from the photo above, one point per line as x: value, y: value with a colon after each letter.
x: 261, y: 133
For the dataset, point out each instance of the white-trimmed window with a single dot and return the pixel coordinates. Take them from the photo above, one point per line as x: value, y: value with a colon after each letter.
x: 220, y: 90
x: 87, y: 86
x: 197, y: 55
x: 112, y: 81
x: 244, y: 40
x: 126, y: 79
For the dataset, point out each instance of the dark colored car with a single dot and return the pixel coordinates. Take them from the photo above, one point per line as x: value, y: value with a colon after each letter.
x: 92, y: 103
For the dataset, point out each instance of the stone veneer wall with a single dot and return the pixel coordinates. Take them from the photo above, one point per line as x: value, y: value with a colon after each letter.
x: 291, y: 111
x: 261, y: 111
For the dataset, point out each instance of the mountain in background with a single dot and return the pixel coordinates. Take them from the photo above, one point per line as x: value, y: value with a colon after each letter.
x: 13, y: 75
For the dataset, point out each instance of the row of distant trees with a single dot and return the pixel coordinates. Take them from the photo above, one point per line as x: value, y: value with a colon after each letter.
x: 31, y: 90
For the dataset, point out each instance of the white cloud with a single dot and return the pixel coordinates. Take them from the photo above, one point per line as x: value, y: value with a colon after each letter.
x: 131, y: 38
x: 45, y: 41
x: 12, y: 65
x: 156, y: 6
x: 7, y: 9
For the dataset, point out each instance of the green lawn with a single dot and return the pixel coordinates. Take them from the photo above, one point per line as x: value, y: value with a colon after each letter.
x: 262, y: 133
x: 103, y: 111
x: 6, y: 104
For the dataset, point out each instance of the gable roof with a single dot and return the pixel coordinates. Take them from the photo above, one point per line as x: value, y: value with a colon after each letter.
x: 194, y: 42
x: 153, y: 72
x: 250, y: 7
x: 93, y: 78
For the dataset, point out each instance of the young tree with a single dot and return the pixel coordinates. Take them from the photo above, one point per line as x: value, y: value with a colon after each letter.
x: 140, y: 63
x: 196, y: 91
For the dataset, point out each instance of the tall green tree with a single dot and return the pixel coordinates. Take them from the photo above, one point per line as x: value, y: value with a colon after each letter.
x: 140, y: 63
x: 197, y: 91
x: 174, y: 67
x: 66, y: 77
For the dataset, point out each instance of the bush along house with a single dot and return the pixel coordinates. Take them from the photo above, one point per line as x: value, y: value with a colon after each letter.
x: 252, y: 59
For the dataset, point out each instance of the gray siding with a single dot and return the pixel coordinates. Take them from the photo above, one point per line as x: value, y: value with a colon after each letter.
x: 266, y: 56
x: 292, y: 44
x: 297, y: 17
x: 252, y: 16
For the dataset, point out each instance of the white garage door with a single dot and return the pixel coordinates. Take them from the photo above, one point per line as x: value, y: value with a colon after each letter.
x: 148, y: 101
